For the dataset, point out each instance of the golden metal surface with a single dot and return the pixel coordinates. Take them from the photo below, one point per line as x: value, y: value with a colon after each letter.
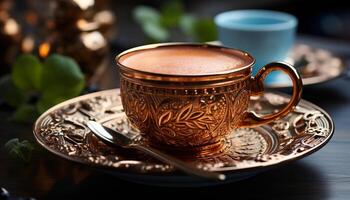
x: 193, y: 113
x: 228, y: 75
x: 62, y: 131
x: 314, y: 66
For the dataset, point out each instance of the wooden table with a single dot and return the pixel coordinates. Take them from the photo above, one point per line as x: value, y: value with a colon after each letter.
x: 323, y: 175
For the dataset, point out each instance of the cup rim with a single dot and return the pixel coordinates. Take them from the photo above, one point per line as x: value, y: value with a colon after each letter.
x: 190, y: 77
x: 288, y: 21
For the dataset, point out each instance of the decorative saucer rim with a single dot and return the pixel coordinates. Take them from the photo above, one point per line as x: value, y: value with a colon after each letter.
x: 230, y: 169
x: 314, y: 80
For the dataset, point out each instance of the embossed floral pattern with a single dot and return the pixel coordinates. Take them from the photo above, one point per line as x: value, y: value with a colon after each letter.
x: 240, y: 105
x: 62, y: 130
x: 137, y: 112
x: 188, y: 121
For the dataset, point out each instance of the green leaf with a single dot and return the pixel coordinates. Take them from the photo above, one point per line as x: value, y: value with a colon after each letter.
x: 61, y: 79
x: 20, y: 150
x: 42, y: 105
x: 149, y: 19
x: 205, y: 30
x: 10, y: 93
x: 146, y: 14
x: 156, y: 32
x: 171, y: 13
x: 187, y: 24
x: 47, y: 101
x: 26, y: 72
x: 200, y: 30
x: 25, y: 113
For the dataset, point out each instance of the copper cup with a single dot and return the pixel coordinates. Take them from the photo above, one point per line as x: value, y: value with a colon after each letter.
x: 195, y: 112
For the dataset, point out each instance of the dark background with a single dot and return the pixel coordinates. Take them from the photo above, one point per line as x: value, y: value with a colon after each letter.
x: 320, y: 18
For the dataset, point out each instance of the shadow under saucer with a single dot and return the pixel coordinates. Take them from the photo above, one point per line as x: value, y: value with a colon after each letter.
x: 297, y: 180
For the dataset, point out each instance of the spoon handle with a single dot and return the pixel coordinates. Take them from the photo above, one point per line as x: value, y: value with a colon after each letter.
x: 189, y: 169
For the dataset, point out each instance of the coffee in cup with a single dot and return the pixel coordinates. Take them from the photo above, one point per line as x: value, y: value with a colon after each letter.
x: 182, y: 60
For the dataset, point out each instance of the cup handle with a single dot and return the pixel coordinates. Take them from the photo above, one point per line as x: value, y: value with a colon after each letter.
x: 257, y: 88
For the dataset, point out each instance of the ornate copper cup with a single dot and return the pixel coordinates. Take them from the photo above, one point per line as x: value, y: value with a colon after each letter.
x: 195, y: 112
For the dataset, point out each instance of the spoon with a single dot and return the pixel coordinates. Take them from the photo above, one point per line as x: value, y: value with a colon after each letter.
x: 129, y: 139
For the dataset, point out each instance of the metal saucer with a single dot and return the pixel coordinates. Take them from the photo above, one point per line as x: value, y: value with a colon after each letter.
x: 247, y: 151
x: 314, y: 65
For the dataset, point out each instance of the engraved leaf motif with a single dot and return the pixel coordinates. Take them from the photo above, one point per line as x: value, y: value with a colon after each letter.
x: 196, y: 115
x: 143, y: 106
x: 191, y: 125
x: 136, y: 106
x: 164, y: 118
x: 207, y: 119
x: 184, y: 113
x: 200, y: 125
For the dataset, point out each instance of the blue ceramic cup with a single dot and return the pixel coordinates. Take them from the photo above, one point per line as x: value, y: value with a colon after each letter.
x: 267, y: 35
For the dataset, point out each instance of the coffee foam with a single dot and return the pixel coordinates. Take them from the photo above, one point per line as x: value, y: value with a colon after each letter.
x: 185, y: 60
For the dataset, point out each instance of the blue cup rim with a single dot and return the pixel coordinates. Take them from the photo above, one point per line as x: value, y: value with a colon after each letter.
x: 287, y: 21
